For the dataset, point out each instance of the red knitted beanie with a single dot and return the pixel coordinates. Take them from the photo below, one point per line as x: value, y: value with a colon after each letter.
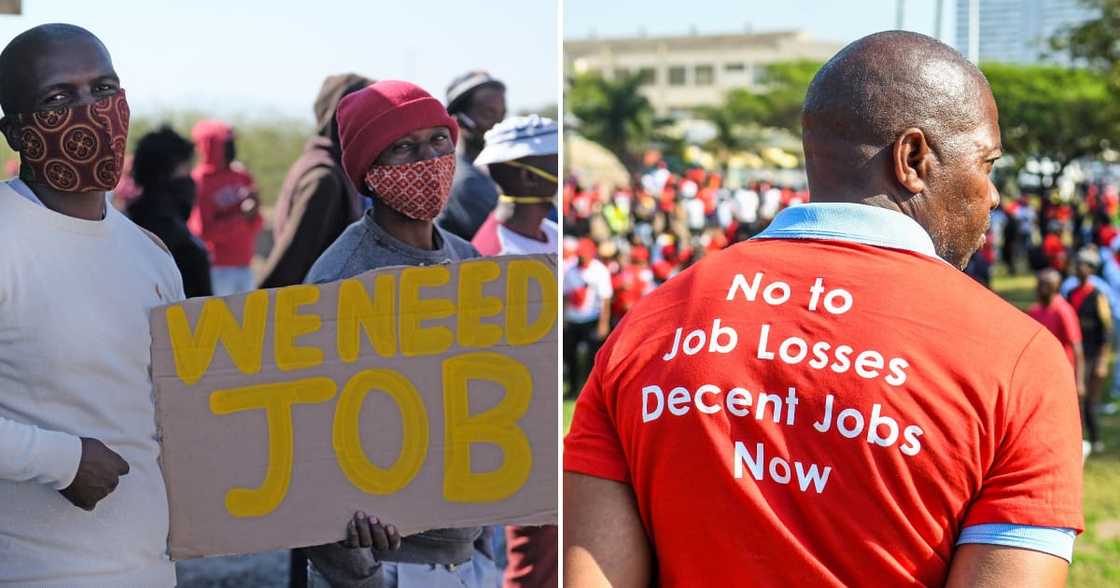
x: 370, y: 119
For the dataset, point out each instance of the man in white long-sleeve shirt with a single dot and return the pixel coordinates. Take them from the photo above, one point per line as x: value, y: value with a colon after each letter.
x: 82, y: 500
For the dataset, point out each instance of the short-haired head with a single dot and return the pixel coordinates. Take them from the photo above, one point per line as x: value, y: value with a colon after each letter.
x: 157, y: 155
x: 52, y: 66
x: 478, y: 101
x: 901, y: 120
x: 48, y: 57
x: 1049, y: 280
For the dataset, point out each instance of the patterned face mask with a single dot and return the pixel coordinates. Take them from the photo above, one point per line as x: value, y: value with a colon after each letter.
x: 78, y: 149
x: 417, y: 190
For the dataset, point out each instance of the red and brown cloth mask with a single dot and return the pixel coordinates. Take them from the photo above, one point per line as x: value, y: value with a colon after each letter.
x: 76, y: 149
x: 418, y: 190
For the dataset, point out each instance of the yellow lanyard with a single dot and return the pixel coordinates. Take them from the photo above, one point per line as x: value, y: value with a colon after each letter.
x: 526, y: 199
x: 535, y: 170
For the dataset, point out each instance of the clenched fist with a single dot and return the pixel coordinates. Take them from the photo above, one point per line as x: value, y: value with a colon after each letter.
x: 98, y: 474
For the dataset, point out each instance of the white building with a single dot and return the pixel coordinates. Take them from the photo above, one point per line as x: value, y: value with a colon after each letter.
x: 684, y: 72
x: 1019, y: 31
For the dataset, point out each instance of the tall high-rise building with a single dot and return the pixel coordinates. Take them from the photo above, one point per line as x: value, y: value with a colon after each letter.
x: 1019, y: 31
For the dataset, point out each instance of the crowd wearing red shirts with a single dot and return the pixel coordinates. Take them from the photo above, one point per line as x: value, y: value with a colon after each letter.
x: 622, y: 242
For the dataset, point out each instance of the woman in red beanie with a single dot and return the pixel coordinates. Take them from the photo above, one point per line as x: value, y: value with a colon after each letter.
x: 398, y: 147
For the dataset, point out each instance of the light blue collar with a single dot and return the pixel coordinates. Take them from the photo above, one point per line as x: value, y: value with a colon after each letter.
x: 856, y: 223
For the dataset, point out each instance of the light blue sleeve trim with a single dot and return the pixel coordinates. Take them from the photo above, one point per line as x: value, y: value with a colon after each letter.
x: 1053, y: 540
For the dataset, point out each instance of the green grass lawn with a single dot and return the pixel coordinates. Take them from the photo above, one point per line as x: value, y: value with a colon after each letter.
x: 1096, y: 560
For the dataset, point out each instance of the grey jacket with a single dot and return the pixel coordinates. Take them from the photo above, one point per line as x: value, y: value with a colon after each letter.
x: 365, y: 246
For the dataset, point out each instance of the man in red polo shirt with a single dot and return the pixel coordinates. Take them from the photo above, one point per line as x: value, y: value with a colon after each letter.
x: 835, y: 403
x: 1059, y: 318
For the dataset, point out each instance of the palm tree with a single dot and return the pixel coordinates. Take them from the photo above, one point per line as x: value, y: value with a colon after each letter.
x: 614, y: 113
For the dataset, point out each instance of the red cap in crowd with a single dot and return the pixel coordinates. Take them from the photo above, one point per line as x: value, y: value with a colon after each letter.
x: 569, y: 250
x: 662, y: 270
x: 586, y: 248
x: 370, y: 119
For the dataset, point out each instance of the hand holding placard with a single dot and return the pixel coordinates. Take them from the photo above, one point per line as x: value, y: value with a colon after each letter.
x: 425, y: 394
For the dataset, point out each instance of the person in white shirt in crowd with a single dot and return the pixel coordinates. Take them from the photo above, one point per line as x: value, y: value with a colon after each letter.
x: 520, y: 155
x: 746, y: 211
x: 82, y: 500
x: 695, y: 217
x: 653, y: 182
x: 587, y: 314
x: 725, y: 208
x: 771, y: 203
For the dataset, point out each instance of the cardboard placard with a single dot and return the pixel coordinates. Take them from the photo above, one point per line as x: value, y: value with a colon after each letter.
x: 426, y: 396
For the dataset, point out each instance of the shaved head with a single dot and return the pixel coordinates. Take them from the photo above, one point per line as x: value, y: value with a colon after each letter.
x: 882, y: 84
x: 903, y: 121
x: 22, y: 66
x: 1049, y: 281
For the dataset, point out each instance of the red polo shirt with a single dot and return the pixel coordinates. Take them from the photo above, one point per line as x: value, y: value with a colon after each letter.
x: 1060, y: 319
x: 828, y: 413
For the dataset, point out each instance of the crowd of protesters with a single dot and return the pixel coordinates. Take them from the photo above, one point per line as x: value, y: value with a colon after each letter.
x: 622, y: 242
x: 393, y: 176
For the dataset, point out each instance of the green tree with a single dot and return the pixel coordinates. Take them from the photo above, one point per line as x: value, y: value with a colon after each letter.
x: 613, y: 113
x: 786, y: 84
x: 740, y: 120
x: 1095, y: 41
x: 1049, y: 111
x: 778, y: 103
x: 730, y: 135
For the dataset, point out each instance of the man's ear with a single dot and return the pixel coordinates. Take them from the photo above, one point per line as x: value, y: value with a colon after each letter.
x: 11, y: 133
x: 912, y: 159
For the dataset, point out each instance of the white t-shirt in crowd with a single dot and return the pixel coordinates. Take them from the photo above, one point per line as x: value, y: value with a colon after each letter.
x: 746, y: 205
x: 590, y: 285
x: 771, y: 203
x: 514, y: 243
x: 694, y: 211
x: 74, y: 302
x: 725, y: 212
x: 689, y: 189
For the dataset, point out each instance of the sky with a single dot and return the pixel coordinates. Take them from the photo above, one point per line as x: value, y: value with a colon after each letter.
x: 827, y: 20
x: 262, y: 58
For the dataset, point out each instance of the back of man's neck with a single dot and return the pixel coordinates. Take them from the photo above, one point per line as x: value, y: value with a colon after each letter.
x: 880, y: 200
x: 81, y: 205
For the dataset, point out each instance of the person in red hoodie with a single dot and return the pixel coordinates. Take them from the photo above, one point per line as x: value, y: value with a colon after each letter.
x: 227, y: 216
x: 633, y: 281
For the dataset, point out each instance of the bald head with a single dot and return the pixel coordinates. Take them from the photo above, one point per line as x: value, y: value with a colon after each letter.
x: 1049, y: 280
x: 882, y: 84
x: 902, y: 121
x: 47, y: 57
